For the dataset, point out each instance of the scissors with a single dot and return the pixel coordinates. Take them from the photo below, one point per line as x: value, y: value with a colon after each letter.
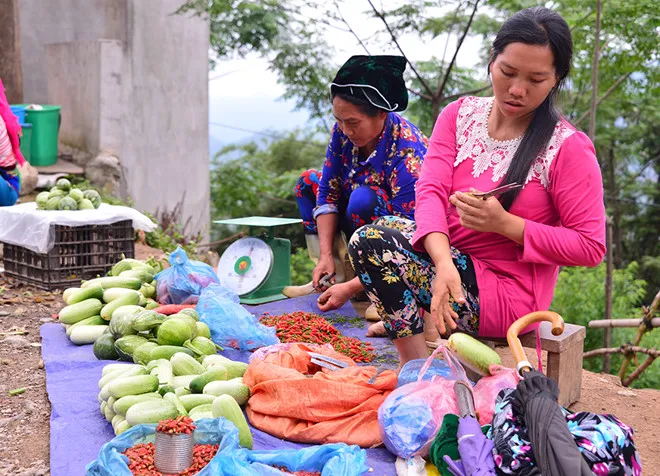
x: 496, y: 191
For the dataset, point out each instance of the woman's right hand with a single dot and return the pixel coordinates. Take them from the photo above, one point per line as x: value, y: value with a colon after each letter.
x: 447, y: 282
x: 325, y: 267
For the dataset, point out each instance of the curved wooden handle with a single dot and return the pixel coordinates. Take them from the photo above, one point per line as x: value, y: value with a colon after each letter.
x: 517, y: 327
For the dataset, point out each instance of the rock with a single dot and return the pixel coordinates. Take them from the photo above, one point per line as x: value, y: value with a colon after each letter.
x: 627, y: 393
x: 29, y: 178
x: 104, y: 172
x: 30, y: 407
x: 17, y: 342
x: 77, y: 156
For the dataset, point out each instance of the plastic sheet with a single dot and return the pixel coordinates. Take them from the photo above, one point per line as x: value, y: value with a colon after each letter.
x: 24, y: 225
x: 230, y: 323
x: 210, y: 431
x: 331, y: 460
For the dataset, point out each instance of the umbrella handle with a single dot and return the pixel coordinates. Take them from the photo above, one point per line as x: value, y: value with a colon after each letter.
x: 518, y: 326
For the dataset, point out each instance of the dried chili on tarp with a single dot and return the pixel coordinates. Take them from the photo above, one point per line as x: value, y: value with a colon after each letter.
x: 141, y: 459
x: 311, y: 328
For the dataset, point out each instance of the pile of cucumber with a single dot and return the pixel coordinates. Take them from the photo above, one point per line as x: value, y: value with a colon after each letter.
x: 133, y: 394
x: 90, y: 307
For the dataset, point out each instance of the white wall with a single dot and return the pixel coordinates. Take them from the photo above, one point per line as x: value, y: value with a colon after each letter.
x: 151, y: 110
x: 165, y: 138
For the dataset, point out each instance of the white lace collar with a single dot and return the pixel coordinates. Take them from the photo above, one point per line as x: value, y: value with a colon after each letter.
x: 473, y: 142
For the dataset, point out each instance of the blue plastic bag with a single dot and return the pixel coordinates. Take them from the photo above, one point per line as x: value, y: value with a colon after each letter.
x: 410, y: 372
x: 209, y: 431
x: 230, y: 323
x: 183, y: 281
x: 336, y: 459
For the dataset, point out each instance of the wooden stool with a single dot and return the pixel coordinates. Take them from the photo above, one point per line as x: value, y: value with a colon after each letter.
x: 564, y: 363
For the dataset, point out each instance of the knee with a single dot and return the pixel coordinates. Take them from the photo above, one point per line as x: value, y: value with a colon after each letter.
x: 386, y: 221
x: 363, y: 201
x: 308, y: 178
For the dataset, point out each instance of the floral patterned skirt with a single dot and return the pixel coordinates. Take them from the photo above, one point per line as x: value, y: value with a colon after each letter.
x: 398, y: 279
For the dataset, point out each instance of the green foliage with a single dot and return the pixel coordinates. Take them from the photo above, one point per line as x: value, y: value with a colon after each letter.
x: 259, y: 179
x: 301, y: 267
x: 580, y: 298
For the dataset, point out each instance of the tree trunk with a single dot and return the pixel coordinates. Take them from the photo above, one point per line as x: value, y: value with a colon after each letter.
x: 436, y: 107
x: 594, y: 76
x: 607, y: 340
x: 615, y: 207
x: 10, y: 51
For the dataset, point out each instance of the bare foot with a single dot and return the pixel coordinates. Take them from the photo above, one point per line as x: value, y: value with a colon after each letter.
x: 377, y: 330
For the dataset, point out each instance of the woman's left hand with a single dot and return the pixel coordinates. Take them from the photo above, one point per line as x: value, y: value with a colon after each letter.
x: 478, y: 214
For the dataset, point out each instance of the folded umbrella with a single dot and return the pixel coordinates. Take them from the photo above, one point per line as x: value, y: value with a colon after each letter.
x: 535, y: 400
x: 474, y: 448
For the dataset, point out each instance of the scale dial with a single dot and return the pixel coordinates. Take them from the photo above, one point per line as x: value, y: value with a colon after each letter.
x: 245, y: 265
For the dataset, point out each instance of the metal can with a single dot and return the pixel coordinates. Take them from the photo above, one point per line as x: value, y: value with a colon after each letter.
x: 174, y: 452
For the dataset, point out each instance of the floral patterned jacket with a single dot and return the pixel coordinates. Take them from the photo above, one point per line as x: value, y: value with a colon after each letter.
x: 394, y: 166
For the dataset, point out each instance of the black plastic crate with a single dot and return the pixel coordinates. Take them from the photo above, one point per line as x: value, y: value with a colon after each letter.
x: 79, y: 252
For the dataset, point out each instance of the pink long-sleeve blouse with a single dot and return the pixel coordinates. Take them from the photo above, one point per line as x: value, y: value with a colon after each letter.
x: 561, y: 202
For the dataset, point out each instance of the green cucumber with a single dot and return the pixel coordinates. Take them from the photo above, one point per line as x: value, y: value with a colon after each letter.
x: 193, y: 400
x: 92, y: 292
x: 122, y: 404
x: 125, y: 300
x: 151, y: 411
x: 473, y: 354
x: 135, y: 385
x: 80, y: 310
x: 215, y: 373
x: 90, y: 321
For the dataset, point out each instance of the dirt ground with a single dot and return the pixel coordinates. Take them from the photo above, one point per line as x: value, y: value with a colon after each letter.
x: 24, y: 418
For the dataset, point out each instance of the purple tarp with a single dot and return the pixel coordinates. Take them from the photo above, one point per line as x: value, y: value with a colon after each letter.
x: 78, y: 430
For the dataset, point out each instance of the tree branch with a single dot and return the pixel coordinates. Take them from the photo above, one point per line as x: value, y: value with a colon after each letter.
x: 458, y: 47
x: 638, y: 371
x: 603, y: 97
x: 420, y: 94
x: 581, y: 20
x: 594, y: 76
x: 624, y: 349
x: 465, y: 93
x: 341, y: 17
x: 394, y: 39
x: 604, y: 323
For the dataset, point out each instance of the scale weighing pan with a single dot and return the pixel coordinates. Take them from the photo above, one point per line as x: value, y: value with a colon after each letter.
x: 257, y: 268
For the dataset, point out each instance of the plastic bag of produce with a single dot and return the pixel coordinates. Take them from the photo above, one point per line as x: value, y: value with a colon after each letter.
x: 209, y: 431
x: 330, y: 460
x: 411, y: 415
x: 183, y: 281
x: 230, y: 323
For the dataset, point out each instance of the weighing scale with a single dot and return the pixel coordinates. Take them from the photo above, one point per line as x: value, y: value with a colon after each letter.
x: 257, y: 268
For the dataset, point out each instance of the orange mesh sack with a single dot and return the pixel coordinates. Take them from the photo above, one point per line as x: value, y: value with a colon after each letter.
x: 296, y: 400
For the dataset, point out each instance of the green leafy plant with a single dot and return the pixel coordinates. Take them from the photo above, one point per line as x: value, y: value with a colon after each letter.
x: 580, y: 298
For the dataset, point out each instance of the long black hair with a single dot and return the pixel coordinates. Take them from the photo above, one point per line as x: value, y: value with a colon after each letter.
x: 535, y: 26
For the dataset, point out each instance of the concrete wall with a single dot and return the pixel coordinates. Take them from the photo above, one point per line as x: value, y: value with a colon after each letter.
x: 58, y: 21
x: 84, y: 77
x: 152, y: 113
x: 165, y: 140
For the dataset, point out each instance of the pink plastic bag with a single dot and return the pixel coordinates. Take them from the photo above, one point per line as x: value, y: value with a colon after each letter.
x: 411, y: 416
x: 486, y: 390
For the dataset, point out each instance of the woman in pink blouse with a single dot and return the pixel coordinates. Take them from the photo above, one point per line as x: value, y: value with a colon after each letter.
x: 474, y: 264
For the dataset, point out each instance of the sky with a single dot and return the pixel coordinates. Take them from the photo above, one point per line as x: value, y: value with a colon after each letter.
x: 244, y: 95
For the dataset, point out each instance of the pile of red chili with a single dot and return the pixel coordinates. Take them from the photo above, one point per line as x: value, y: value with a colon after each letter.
x: 141, y: 459
x: 311, y: 328
x: 141, y: 456
x: 179, y: 425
